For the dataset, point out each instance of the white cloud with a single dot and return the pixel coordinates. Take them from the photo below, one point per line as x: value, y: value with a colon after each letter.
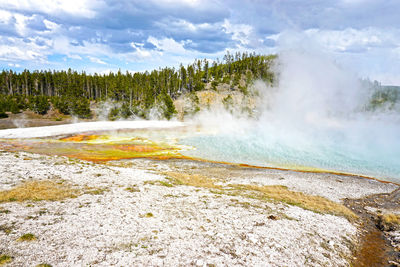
x: 167, y: 45
x: 140, y: 52
x: 184, y: 25
x: 5, y: 16
x: 96, y: 60
x: 242, y: 33
x: 52, y: 26
x: 352, y: 39
x: 80, y: 8
x: 168, y: 3
x: 62, y: 45
x: 14, y: 65
x: 75, y: 56
x: 16, y: 50
x: 354, y: 2
x: 20, y: 24
x: 12, y: 53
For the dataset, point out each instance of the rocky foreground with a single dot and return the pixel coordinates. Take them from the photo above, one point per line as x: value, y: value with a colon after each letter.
x: 175, y: 212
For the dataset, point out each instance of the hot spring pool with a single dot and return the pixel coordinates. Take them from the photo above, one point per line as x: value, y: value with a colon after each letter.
x: 336, y: 151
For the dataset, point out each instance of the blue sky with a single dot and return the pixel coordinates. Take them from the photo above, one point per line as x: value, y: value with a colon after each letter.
x: 103, y: 35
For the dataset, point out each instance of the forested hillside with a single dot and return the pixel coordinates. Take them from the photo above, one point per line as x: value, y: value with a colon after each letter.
x: 71, y: 92
x: 385, y: 97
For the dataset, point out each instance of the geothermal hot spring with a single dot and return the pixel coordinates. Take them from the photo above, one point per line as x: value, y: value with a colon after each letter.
x: 315, y: 120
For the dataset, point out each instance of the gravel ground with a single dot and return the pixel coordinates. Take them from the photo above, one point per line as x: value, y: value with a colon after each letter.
x: 180, y: 225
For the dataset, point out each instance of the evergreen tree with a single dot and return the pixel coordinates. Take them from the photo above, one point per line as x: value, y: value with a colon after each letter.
x: 71, y: 92
x: 167, y: 105
x: 39, y: 104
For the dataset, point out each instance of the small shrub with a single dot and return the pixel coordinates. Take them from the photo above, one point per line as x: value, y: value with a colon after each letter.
x: 227, y: 102
x: 5, y: 259
x: 3, y: 115
x: 27, y: 237
x: 148, y: 215
x: 39, y: 104
x: 96, y: 191
x: 81, y: 107
x: 167, y: 105
x: 214, y: 85
x: 244, y: 90
x: 132, y: 189
x: 125, y: 111
x: 391, y: 218
x: 7, y: 229
x: 114, y: 114
x: 166, y: 184
x: 236, y: 78
x: 14, y: 107
x: 226, y: 79
x: 62, y: 104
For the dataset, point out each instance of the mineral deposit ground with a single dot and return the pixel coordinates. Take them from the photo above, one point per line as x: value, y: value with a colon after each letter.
x: 68, y: 212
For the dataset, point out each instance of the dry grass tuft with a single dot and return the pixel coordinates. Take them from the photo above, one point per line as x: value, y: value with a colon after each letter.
x: 309, y: 202
x: 27, y: 237
x: 5, y: 259
x: 95, y: 190
x: 132, y: 189
x: 38, y: 190
x: 274, y: 192
x: 7, y: 229
x: 208, y: 97
x: 147, y: 215
x: 196, y: 180
x: 4, y: 211
x: 391, y: 218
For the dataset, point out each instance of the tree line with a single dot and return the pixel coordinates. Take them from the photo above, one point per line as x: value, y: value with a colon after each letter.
x: 71, y: 92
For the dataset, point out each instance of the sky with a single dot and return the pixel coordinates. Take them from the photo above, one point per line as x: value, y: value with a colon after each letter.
x: 106, y: 35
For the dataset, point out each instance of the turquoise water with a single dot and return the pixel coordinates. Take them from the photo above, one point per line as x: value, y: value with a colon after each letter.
x: 359, y: 149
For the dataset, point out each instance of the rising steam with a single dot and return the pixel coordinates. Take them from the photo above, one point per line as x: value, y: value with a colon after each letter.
x: 315, y: 116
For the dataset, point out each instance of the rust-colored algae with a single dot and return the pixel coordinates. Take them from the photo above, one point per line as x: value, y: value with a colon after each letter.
x: 79, y: 138
x: 112, y: 153
x: 139, y: 148
x: 372, y: 250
